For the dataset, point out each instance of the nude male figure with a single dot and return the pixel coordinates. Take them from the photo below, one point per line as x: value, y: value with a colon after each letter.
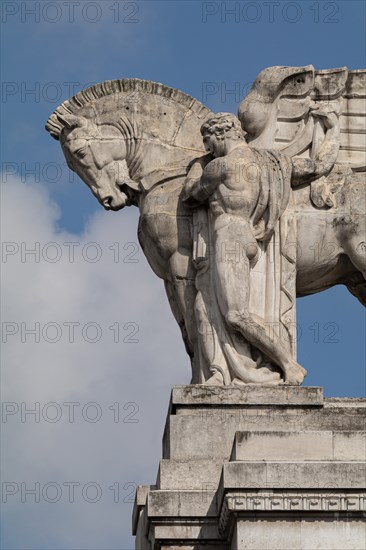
x: 230, y: 187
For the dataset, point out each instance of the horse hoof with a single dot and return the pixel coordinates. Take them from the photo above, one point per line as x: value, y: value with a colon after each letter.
x: 294, y: 375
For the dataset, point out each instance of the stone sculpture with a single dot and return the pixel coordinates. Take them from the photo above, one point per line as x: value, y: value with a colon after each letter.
x: 238, y: 216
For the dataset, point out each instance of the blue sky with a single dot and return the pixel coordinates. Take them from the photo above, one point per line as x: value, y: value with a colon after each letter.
x: 193, y: 46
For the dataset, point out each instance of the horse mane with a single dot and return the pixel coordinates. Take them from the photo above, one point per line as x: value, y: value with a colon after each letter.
x: 127, y: 85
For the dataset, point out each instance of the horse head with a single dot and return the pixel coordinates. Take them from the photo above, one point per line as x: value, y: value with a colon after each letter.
x: 97, y: 154
x: 120, y: 132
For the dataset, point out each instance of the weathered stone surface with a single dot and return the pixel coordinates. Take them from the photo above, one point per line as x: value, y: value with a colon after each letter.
x: 186, y: 397
x: 189, y: 474
x: 140, y: 502
x: 297, y: 475
x: 349, y: 444
x: 290, y: 500
x: 193, y: 533
x: 220, y: 425
x: 140, y: 529
x: 289, y: 505
x: 201, y: 503
x: 299, y: 446
x: 251, y: 470
x: 304, y: 533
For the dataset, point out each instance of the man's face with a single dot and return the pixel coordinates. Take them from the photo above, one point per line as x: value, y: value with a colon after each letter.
x: 214, y: 145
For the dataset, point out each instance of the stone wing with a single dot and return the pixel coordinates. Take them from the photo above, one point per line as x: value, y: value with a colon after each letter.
x: 276, y: 114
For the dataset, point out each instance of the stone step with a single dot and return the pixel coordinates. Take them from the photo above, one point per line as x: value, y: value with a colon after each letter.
x: 295, y: 465
x: 263, y: 446
x: 323, y: 476
x: 189, y: 474
x: 198, y: 535
x: 183, y: 397
x: 199, y: 503
x: 299, y: 446
x: 214, y: 429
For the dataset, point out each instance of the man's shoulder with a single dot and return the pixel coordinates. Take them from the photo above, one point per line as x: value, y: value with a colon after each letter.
x: 240, y: 155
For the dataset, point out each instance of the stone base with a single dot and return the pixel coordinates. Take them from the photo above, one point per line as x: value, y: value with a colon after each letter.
x: 257, y: 468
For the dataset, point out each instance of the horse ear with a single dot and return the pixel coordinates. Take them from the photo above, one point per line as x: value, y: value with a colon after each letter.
x: 70, y: 121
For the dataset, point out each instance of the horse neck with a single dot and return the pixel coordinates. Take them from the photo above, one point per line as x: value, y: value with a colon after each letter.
x: 132, y: 138
x: 148, y: 158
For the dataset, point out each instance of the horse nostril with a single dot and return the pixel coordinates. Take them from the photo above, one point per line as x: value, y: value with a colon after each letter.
x: 107, y: 201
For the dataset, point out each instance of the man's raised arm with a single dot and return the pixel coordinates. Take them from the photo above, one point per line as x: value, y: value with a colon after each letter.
x: 306, y: 170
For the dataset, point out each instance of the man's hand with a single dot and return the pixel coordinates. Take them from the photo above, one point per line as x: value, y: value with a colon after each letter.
x: 330, y: 119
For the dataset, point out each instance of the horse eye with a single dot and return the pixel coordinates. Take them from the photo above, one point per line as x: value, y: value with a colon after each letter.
x: 80, y: 152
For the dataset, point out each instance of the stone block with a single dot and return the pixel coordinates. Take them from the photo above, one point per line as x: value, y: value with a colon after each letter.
x: 296, y: 475
x: 188, y: 532
x: 199, y: 503
x: 299, y: 446
x: 140, y: 501
x: 201, y: 395
x: 286, y: 446
x: 214, y: 429
x: 304, y: 533
x: 269, y: 468
x: 349, y: 444
x: 189, y: 474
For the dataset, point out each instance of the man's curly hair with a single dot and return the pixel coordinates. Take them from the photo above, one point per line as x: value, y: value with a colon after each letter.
x: 221, y: 124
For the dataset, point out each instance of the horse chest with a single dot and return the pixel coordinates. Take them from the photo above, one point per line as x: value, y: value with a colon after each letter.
x: 165, y: 224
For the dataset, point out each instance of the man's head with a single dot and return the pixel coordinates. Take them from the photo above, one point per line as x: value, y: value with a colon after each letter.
x: 218, y: 130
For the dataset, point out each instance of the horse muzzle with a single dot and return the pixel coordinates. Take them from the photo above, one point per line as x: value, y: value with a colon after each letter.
x: 114, y: 203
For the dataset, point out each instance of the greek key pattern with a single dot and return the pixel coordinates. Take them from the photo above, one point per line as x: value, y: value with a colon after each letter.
x: 290, y: 502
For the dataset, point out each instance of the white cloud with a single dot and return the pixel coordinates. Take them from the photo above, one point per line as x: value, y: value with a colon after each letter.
x: 107, y: 453
x: 137, y: 376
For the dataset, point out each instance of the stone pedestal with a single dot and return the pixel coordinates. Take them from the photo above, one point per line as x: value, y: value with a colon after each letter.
x: 257, y: 468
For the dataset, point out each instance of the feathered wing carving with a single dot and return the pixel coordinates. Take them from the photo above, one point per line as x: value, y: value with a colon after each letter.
x: 278, y: 95
x: 276, y: 114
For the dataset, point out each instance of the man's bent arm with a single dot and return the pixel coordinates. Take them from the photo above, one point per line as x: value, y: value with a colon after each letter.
x: 306, y: 170
x: 198, y: 189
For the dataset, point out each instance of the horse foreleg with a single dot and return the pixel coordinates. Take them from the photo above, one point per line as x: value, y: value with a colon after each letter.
x: 174, y: 306
x: 182, y: 281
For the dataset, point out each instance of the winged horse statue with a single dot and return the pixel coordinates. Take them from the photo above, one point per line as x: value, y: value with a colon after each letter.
x: 238, y: 215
